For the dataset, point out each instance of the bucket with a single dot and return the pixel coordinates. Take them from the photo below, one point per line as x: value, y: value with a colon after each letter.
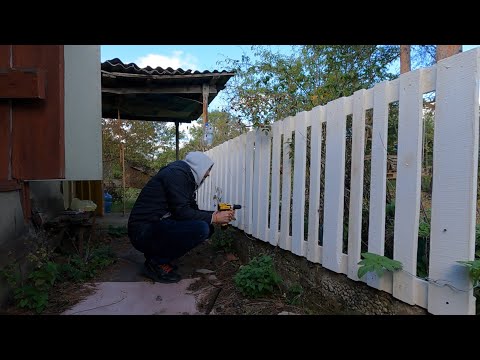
x: 108, y: 202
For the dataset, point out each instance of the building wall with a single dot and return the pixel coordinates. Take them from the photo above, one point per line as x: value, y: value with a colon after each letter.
x: 12, y: 227
x: 46, y: 198
x: 83, y: 113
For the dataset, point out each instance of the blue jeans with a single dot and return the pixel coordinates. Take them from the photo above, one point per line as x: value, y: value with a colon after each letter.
x: 166, y: 240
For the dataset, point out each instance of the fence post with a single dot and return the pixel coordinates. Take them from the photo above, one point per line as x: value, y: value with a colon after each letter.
x: 454, y: 197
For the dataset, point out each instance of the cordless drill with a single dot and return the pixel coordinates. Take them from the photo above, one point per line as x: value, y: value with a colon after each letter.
x: 225, y: 207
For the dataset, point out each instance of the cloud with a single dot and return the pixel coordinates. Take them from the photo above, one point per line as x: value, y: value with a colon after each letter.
x: 177, y: 59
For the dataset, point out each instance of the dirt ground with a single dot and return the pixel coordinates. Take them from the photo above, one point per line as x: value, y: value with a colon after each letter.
x: 220, y: 295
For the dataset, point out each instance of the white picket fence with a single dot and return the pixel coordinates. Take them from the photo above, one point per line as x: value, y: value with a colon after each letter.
x: 242, y: 173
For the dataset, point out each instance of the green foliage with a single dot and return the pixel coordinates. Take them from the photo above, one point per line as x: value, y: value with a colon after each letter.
x: 294, y: 293
x: 117, y: 231
x: 144, y: 142
x: 378, y: 264
x: 32, y: 293
x: 258, y: 277
x: 131, y: 195
x: 477, y: 240
x: 390, y: 210
x: 223, y: 240
x: 473, y: 269
x: 424, y: 230
x: 79, y: 269
x: 225, y: 127
x: 275, y: 85
x: 427, y: 184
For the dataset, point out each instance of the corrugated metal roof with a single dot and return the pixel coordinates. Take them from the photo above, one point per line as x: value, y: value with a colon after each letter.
x: 116, y: 65
x: 157, y: 94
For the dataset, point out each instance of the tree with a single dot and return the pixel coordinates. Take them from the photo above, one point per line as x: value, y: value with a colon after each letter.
x: 444, y: 51
x: 405, y: 62
x: 144, y: 141
x: 276, y: 86
x: 425, y: 55
x: 225, y: 127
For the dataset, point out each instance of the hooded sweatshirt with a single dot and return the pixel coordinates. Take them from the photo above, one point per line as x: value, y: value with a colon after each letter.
x: 199, y: 164
x: 171, y: 193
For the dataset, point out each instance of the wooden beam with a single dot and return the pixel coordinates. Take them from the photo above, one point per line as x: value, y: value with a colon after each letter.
x: 9, y: 185
x: 205, y: 91
x: 177, y: 135
x: 193, y: 89
x: 22, y: 84
x: 122, y: 159
x: 160, y: 113
x: 166, y: 77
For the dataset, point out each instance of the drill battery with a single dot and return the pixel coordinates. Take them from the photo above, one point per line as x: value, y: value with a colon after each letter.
x: 225, y: 207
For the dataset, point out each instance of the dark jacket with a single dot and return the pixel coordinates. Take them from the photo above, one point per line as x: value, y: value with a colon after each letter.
x: 171, y: 190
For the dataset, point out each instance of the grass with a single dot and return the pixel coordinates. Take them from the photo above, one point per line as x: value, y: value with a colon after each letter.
x: 117, y: 206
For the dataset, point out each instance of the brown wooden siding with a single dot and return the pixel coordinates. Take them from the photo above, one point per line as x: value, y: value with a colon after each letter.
x: 38, y: 125
x: 5, y: 131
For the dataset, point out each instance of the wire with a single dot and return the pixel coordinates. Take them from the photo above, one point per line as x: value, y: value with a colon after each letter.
x: 440, y: 284
x: 251, y: 238
x: 98, y: 307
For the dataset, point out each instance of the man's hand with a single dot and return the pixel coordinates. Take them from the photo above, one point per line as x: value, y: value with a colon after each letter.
x: 223, y: 217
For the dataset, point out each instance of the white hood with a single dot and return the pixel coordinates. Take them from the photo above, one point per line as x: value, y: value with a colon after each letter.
x: 199, y: 163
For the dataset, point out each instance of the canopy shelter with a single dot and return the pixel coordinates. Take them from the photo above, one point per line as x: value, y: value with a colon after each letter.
x: 167, y: 95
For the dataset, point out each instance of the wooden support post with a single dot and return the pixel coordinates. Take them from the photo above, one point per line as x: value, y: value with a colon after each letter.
x: 205, y: 91
x: 122, y: 159
x: 177, y: 135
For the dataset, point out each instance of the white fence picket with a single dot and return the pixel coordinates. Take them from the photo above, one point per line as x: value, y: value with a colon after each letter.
x: 376, y: 228
x: 334, y: 186
x: 408, y: 190
x: 257, y: 180
x: 250, y: 142
x: 262, y: 196
x: 277, y: 130
x: 241, y: 195
x: 285, y: 240
x: 226, y: 173
x: 454, y: 196
x: 201, y: 193
x: 206, y: 188
x: 299, y: 168
x: 235, y: 176
x: 356, y: 184
x: 216, y: 176
x: 317, y: 116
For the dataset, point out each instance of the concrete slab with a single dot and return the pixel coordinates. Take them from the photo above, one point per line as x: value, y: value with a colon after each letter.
x: 139, y: 298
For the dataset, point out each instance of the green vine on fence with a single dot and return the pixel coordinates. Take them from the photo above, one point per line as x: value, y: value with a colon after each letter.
x: 473, y: 269
x: 378, y: 264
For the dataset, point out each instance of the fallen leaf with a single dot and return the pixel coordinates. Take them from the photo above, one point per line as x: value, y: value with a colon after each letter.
x: 231, y: 257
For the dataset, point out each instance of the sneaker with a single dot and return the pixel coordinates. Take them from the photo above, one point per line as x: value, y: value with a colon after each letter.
x: 163, y: 273
x: 175, y: 267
